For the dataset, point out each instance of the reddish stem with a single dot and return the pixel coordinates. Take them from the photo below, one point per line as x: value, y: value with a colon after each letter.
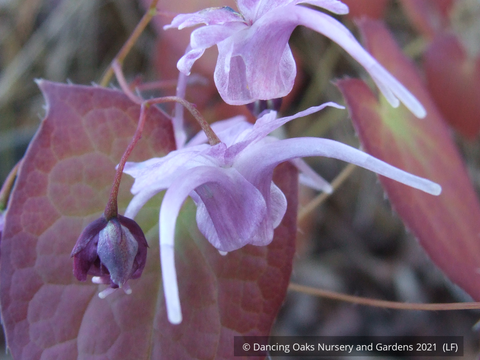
x: 111, y: 210
x: 212, y: 137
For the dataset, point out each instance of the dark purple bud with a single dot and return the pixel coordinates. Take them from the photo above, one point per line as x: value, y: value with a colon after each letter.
x: 258, y: 107
x: 113, y: 250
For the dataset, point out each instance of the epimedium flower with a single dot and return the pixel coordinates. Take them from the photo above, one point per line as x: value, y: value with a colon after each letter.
x: 231, y: 185
x: 113, y: 251
x: 255, y: 61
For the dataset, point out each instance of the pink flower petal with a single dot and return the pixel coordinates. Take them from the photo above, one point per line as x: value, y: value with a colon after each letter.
x: 235, y: 214
x: 267, y: 156
x: 186, y: 62
x: 210, y: 16
x: 157, y: 174
x: 268, y: 123
x: 226, y: 130
x: 244, y: 71
x: 388, y: 85
x: 207, y: 36
x: 335, y: 6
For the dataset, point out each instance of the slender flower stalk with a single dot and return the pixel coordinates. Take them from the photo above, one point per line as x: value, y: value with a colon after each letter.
x: 111, y: 210
x: 178, y: 120
x: 255, y: 61
x: 113, y: 248
x: 122, y: 54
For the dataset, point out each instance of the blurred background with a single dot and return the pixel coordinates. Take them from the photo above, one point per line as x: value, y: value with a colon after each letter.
x: 353, y: 242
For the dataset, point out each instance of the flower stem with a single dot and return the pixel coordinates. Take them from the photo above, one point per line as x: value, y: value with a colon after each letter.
x: 111, y: 210
x: 212, y: 137
x: 382, y: 303
x: 122, y: 54
x: 8, y: 185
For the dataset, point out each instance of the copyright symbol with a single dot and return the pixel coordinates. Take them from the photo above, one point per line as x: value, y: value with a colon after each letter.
x: 246, y: 347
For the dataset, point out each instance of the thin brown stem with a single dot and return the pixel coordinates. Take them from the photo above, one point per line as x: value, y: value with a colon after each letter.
x: 122, y: 54
x: 155, y: 85
x: 111, y: 210
x: 193, y: 79
x: 212, y: 137
x: 382, y: 303
x: 318, y: 200
x: 117, y: 69
x: 8, y: 185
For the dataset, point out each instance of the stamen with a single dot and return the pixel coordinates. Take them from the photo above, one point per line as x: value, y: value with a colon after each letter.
x: 103, y: 294
x: 97, y: 280
x: 127, y: 289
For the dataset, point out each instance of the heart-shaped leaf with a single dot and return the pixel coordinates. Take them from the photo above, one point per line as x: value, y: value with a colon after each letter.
x: 63, y: 185
x: 447, y: 226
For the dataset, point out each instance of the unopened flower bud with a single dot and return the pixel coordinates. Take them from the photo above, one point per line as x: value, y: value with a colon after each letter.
x: 113, y: 251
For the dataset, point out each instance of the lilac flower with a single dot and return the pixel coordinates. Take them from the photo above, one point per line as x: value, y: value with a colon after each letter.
x: 255, y: 61
x: 231, y: 184
x: 114, y: 251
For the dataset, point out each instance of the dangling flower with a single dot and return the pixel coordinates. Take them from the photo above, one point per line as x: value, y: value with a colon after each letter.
x: 231, y: 184
x: 113, y: 251
x: 255, y: 61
